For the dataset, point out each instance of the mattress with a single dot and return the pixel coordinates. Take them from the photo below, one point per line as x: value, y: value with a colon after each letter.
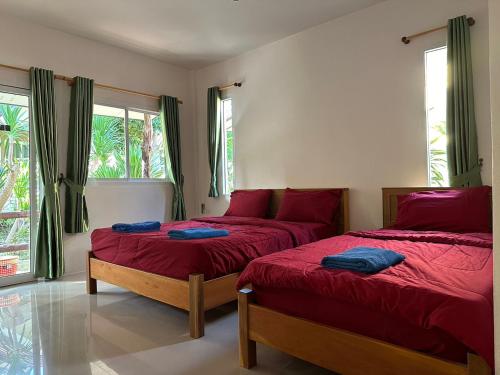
x: 438, y: 301
x: 248, y: 239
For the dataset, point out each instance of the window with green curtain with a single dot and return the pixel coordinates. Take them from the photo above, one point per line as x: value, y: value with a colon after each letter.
x: 115, y: 128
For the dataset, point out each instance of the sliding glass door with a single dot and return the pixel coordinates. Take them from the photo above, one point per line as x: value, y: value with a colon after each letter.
x: 18, y: 187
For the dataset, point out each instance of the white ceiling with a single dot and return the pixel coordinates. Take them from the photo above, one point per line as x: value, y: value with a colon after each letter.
x: 189, y: 33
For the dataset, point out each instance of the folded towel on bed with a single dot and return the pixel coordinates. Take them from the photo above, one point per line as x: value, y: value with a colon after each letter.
x: 145, y: 226
x: 363, y: 259
x: 196, y: 233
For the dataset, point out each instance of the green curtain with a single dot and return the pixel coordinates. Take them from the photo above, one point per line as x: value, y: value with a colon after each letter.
x: 463, y: 158
x: 79, y: 141
x: 169, y: 108
x: 214, y: 138
x: 49, y: 261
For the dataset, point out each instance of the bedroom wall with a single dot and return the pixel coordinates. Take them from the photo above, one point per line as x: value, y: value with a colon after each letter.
x: 341, y: 105
x: 494, y: 14
x: 108, y: 202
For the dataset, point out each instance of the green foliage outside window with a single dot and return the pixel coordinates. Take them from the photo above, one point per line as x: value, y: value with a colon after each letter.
x: 15, y: 179
x: 230, y: 165
x: 108, y: 153
x: 438, y: 156
x: 107, y: 156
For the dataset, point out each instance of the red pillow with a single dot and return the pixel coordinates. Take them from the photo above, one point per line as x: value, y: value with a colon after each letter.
x: 249, y: 203
x: 318, y: 206
x: 459, y: 211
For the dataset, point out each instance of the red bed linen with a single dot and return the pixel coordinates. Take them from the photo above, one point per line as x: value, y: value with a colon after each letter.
x: 249, y: 238
x: 441, y: 292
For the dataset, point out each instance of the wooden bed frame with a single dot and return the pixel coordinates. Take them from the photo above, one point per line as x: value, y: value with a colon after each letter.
x: 196, y: 295
x: 339, y: 350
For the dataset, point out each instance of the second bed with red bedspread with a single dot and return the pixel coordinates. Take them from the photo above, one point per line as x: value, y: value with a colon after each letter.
x: 248, y: 239
x: 439, y: 300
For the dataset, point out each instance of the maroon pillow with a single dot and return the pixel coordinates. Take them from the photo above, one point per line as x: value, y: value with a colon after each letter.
x: 249, y: 203
x: 319, y: 206
x: 459, y: 211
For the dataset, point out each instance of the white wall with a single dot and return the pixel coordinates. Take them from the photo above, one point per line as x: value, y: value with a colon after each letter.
x: 494, y: 13
x: 341, y: 105
x: 25, y: 44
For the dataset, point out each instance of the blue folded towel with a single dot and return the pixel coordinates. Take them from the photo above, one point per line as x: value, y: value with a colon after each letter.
x: 196, y: 233
x: 363, y: 259
x: 145, y: 226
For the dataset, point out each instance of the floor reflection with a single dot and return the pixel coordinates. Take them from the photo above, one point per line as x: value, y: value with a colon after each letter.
x: 20, y: 351
x: 55, y: 328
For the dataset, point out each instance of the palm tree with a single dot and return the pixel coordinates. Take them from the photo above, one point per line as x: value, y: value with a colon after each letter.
x: 19, y: 232
x: 16, y: 346
x: 438, y: 157
x: 17, y: 138
x: 146, y: 154
x: 107, y: 137
x: 135, y: 157
x: 14, y: 154
x: 107, y: 156
x: 13, y: 142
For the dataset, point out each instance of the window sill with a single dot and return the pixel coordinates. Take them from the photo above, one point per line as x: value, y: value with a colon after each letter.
x: 126, y: 181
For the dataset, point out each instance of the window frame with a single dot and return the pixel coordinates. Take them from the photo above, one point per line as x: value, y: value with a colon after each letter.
x: 35, y: 192
x: 127, y: 179
x: 427, y: 122
x: 225, y: 175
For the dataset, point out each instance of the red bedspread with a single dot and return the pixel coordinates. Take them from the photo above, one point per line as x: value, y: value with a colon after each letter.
x: 444, y: 285
x: 249, y: 238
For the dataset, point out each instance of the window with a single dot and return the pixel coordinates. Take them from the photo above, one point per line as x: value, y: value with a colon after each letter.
x: 227, y: 146
x: 107, y: 153
x: 18, y: 187
x: 146, y: 149
x: 435, y: 99
x: 126, y: 144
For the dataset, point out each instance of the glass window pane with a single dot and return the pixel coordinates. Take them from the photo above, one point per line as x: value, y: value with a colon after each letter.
x: 146, y: 146
x: 158, y: 167
x: 435, y: 93
x: 228, y: 146
x: 107, y: 155
x: 15, y: 185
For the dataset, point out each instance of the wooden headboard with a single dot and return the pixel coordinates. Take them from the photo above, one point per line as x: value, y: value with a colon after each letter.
x: 390, y: 200
x: 343, y: 215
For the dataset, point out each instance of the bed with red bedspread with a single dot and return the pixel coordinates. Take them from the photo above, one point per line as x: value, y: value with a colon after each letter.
x: 438, y: 301
x: 249, y: 238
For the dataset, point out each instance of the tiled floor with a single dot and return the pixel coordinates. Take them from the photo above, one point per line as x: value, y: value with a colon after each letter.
x: 55, y: 328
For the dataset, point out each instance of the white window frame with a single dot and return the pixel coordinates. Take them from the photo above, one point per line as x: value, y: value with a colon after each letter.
x: 225, y: 176
x: 127, y: 179
x: 35, y: 185
x: 427, y: 123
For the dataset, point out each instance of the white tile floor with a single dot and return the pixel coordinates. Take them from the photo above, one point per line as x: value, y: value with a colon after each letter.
x: 56, y: 328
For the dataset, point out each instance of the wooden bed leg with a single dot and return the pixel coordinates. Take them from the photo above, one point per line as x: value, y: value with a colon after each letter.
x: 477, y: 365
x: 196, y: 306
x: 91, y: 283
x: 248, y: 353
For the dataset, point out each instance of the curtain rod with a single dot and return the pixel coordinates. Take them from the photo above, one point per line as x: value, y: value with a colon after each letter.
x: 407, y: 39
x: 227, y: 87
x: 69, y: 81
